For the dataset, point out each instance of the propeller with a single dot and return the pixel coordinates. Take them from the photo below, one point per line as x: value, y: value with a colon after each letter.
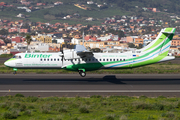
x: 62, y: 56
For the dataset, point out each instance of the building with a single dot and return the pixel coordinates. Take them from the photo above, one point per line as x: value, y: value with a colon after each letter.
x: 129, y: 39
x: 174, y: 50
x: 101, y: 44
x: 59, y: 40
x: 147, y: 41
x: 38, y: 46
x: 55, y: 34
x: 17, y: 39
x: 110, y: 37
x: 18, y: 48
x: 13, y: 30
x: 175, y: 42
x: 24, y: 31
x: 44, y: 38
x: 75, y: 41
x: 90, y: 37
x: 2, y: 43
x: 138, y: 41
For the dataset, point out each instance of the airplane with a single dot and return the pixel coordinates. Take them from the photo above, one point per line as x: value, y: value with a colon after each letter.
x: 81, y: 60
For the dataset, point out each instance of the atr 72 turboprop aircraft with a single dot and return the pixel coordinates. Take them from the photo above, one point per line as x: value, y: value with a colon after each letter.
x: 81, y: 60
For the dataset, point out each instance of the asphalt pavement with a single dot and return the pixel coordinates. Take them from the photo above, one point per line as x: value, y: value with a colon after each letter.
x: 71, y: 85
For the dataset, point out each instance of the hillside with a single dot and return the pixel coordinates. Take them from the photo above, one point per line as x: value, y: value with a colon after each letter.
x: 99, y: 10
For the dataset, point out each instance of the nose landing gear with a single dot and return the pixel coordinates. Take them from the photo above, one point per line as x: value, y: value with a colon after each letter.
x: 15, y: 69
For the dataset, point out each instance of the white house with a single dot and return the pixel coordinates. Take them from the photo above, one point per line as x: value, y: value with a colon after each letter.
x: 75, y: 41
x: 90, y: 2
x: 37, y: 46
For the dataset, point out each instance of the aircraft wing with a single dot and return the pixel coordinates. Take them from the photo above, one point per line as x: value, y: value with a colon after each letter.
x: 82, y: 52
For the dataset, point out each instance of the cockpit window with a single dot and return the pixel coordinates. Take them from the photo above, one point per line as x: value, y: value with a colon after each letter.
x: 17, y: 56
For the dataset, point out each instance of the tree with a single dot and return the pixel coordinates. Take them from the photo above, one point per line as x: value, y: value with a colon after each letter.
x: 131, y: 45
x: 3, y: 32
x: 140, y: 46
x: 96, y: 50
x: 28, y: 40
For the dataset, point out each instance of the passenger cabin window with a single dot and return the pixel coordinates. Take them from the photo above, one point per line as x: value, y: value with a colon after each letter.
x: 103, y: 59
x: 58, y: 59
x: 54, y: 59
x: 99, y: 59
x: 47, y: 59
x: 123, y: 59
x: 40, y: 59
x: 51, y: 59
x: 44, y: 59
x: 107, y: 59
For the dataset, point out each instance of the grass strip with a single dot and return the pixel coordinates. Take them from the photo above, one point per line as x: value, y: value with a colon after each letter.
x: 161, y: 68
x: 94, y: 107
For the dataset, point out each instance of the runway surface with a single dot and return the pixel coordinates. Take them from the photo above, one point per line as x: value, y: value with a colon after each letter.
x: 70, y: 85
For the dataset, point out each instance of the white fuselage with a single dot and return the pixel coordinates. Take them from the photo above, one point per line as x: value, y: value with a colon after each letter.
x: 55, y: 60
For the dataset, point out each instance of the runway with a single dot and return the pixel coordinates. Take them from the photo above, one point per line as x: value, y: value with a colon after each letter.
x: 71, y: 85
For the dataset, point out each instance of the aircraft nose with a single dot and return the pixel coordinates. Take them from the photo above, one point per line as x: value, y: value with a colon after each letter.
x: 6, y: 63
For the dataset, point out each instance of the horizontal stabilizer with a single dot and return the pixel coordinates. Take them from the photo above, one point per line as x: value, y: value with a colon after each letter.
x: 168, y: 30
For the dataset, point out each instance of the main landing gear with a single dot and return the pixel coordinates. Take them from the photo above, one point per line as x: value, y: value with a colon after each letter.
x: 82, y: 72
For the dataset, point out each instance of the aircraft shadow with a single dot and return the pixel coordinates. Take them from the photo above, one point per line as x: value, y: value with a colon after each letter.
x: 106, y: 80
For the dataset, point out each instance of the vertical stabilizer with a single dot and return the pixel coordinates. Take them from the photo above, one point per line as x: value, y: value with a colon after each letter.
x: 162, y: 43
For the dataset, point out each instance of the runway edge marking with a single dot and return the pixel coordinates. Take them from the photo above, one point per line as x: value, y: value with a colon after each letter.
x: 84, y: 91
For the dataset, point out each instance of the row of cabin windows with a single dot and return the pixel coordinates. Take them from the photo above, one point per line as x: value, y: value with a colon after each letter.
x: 49, y: 59
x: 93, y: 59
x: 83, y: 59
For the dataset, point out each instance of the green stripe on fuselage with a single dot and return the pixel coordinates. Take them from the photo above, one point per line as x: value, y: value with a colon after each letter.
x: 150, y: 61
x: 11, y: 59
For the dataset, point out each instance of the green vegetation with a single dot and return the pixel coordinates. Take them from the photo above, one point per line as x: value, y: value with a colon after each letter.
x: 6, y: 55
x: 94, y: 107
x: 110, y: 8
x: 161, y: 68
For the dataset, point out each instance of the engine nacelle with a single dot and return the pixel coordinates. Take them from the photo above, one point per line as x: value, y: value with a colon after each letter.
x: 70, y: 54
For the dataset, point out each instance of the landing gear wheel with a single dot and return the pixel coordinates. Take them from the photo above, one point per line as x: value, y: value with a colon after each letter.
x: 14, y: 72
x: 83, y: 74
